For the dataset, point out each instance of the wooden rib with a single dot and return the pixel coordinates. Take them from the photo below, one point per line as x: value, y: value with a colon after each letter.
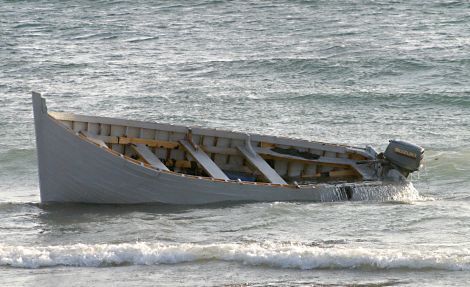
x: 148, y: 156
x: 262, y: 166
x: 204, y: 160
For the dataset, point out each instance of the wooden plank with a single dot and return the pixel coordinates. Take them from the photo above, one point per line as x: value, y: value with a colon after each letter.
x: 334, y: 174
x: 93, y: 128
x: 220, y: 150
x: 79, y: 126
x: 236, y: 159
x: 68, y: 124
x: 310, y: 170
x: 262, y: 166
x: 182, y: 163
x: 266, y: 144
x: 321, y: 160
x: 295, y: 169
x: 147, y: 134
x: 149, y: 142
x: 149, y: 157
x: 161, y: 136
x: 133, y: 132
x: 280, y: 166
x: 204, y: 160
x: 220, y: 159
x: 105, y: 130
x: 177, y: 154
x: 117, y: 131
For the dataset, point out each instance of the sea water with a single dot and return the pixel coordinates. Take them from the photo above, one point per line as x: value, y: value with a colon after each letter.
x: 355, y: 72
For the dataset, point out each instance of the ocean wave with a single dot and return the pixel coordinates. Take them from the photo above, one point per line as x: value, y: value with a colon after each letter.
x: 451, y: 165
x: 403, y: 193
x: 268, y: 254
x: 377, y: 191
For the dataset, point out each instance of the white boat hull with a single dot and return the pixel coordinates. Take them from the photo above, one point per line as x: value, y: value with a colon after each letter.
x: 74, y: 170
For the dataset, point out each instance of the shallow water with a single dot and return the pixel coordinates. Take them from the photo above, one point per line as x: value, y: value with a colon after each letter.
x: 358, y: 72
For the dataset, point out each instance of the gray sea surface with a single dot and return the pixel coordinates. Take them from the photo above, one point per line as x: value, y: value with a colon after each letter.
x: 356, y: 72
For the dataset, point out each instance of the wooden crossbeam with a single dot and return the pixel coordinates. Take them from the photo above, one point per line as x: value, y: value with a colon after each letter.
x: 204, y: 160
x: 261, y: 165
x: 264, y: 150
x: 149, y: 142
x: 333, y: 174
x: 334, y: 161
x: 149, y: 156
x: 328, y: 161
x: 225, y: 150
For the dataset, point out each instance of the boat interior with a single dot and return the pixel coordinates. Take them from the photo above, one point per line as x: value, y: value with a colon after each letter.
x: 220, y: 155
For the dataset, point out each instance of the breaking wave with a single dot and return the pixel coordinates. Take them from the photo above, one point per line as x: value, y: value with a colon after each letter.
x: 398, y: 192
x: 268, y: 254
x: 388, y: 192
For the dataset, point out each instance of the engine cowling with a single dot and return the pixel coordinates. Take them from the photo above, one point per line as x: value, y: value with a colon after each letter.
x: 404, y: 156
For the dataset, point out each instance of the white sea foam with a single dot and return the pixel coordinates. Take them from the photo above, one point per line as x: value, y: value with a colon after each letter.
x: 271, y: 254
x: 375, y: 192
x: 388, y: 192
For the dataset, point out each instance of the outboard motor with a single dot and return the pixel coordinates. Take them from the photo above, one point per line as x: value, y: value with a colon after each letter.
x: 404, y: 156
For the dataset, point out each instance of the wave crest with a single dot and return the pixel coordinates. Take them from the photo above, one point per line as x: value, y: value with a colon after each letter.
x: 269, y: 254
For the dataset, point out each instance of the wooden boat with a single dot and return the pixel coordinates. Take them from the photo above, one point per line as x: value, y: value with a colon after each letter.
x: 93, y: 159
